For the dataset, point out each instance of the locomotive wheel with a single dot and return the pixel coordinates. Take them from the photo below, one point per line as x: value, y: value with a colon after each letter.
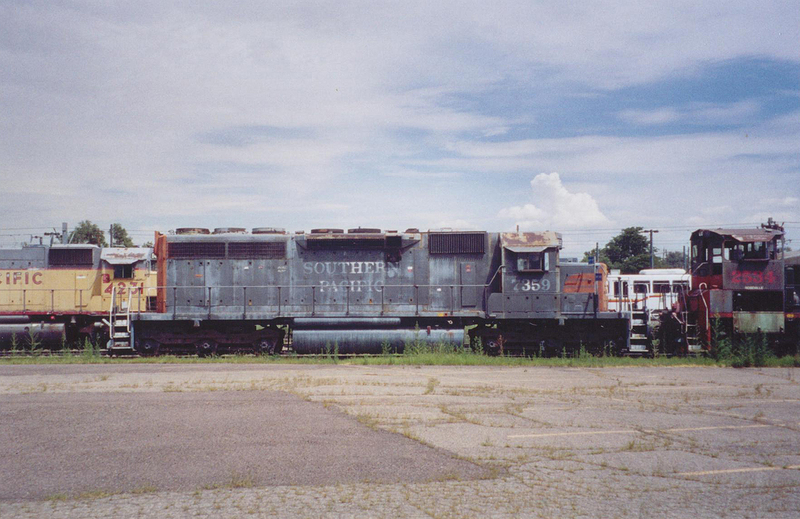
x: 494, y: 346
x: 265, y: 347
x: 206, y: 348
x: 148, y: 348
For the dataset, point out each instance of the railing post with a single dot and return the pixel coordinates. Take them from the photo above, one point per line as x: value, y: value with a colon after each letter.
x: 80, y: 303
x: 174, y: 302
x: 209, y: 302
x: 279, y: 300
x: 52, y: 300
x: 244, y: 302
x: 24, y: 300
x: 313, y: 300
x: 452, y: 299
x: 382, y: 292
x: 347, y: 299
x: 416, y: 298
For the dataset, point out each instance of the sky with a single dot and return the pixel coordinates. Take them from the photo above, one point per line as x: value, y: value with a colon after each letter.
x: 578, y: 117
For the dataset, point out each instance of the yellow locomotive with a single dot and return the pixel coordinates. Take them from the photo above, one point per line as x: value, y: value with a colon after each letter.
x: 59, y: 295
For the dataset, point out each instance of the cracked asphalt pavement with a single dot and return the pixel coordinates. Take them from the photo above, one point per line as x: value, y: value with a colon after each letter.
x: 252, y: 440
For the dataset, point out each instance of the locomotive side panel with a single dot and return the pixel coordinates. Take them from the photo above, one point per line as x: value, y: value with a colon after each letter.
x: 457, y: 263
x: 224, y: 276
x: 331, y: 281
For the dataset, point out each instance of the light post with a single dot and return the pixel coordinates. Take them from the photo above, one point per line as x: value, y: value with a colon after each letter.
x: 651, y: 231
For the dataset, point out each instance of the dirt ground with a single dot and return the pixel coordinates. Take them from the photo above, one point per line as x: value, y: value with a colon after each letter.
x: 232, y: 440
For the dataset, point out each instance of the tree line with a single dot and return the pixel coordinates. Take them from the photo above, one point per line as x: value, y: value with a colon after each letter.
x: 87, y: 232
x: 629, y: 251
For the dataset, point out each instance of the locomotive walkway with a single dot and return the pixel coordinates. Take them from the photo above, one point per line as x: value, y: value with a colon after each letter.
x: 255, y: 440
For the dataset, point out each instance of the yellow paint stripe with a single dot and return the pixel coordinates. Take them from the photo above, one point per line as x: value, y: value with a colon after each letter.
x: 634, y: 431
x: 734, y: 471
x: 582, y: 433
x: 713, y: 428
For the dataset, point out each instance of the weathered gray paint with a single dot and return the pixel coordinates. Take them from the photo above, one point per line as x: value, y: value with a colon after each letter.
x: 321, y: 277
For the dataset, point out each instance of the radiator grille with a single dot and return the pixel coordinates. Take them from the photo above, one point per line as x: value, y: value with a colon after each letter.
x: 191, y: 250
x: 70, y: 257
x: 457, y: 243
x: 346, y: 243
x: 257, y: 250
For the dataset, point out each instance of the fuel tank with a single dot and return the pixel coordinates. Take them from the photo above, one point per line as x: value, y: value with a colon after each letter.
x: 46, y: 335
x: 373, y: 340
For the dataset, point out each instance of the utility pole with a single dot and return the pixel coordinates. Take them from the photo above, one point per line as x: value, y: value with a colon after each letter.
x: 651, y: 231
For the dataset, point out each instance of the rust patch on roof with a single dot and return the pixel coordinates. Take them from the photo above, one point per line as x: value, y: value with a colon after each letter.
x: 744, y: 235
x: 530, y: 241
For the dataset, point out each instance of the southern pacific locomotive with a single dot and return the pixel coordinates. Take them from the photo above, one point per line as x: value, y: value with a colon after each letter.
x: 366, y: 291
x: 354, y: 291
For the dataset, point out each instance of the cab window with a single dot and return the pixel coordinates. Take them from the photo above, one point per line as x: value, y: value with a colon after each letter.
x: 533, y: 262
x: 123, y: 271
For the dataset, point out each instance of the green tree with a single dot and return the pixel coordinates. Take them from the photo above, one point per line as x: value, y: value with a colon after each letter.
x: 121, y: 238
x: 629, y: 251
x: 87, y: 232
x: 672, y: 260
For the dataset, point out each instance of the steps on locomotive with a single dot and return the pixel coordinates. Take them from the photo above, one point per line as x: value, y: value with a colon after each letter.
x: 690, y: 333
x: 693, y: 344
x: 119, y: 326
x: 639, y: 341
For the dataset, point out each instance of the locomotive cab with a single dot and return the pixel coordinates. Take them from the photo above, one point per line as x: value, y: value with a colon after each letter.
x: 738, y: 276
x: 531, y: 274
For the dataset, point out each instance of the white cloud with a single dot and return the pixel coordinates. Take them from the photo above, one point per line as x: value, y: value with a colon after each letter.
x: 555, y: 207
x: 765, y: 149
x: 650, y: 117
x: 696, y: 113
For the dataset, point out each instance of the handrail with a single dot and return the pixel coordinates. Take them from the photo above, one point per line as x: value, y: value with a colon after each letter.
x: 277, y: 299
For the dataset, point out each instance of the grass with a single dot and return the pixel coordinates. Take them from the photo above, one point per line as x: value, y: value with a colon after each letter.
x: 419, y: 359
x: 236, y: 480
x: 745, y: 352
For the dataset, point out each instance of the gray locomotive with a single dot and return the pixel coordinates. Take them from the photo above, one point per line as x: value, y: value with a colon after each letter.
x: 367, y: 291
